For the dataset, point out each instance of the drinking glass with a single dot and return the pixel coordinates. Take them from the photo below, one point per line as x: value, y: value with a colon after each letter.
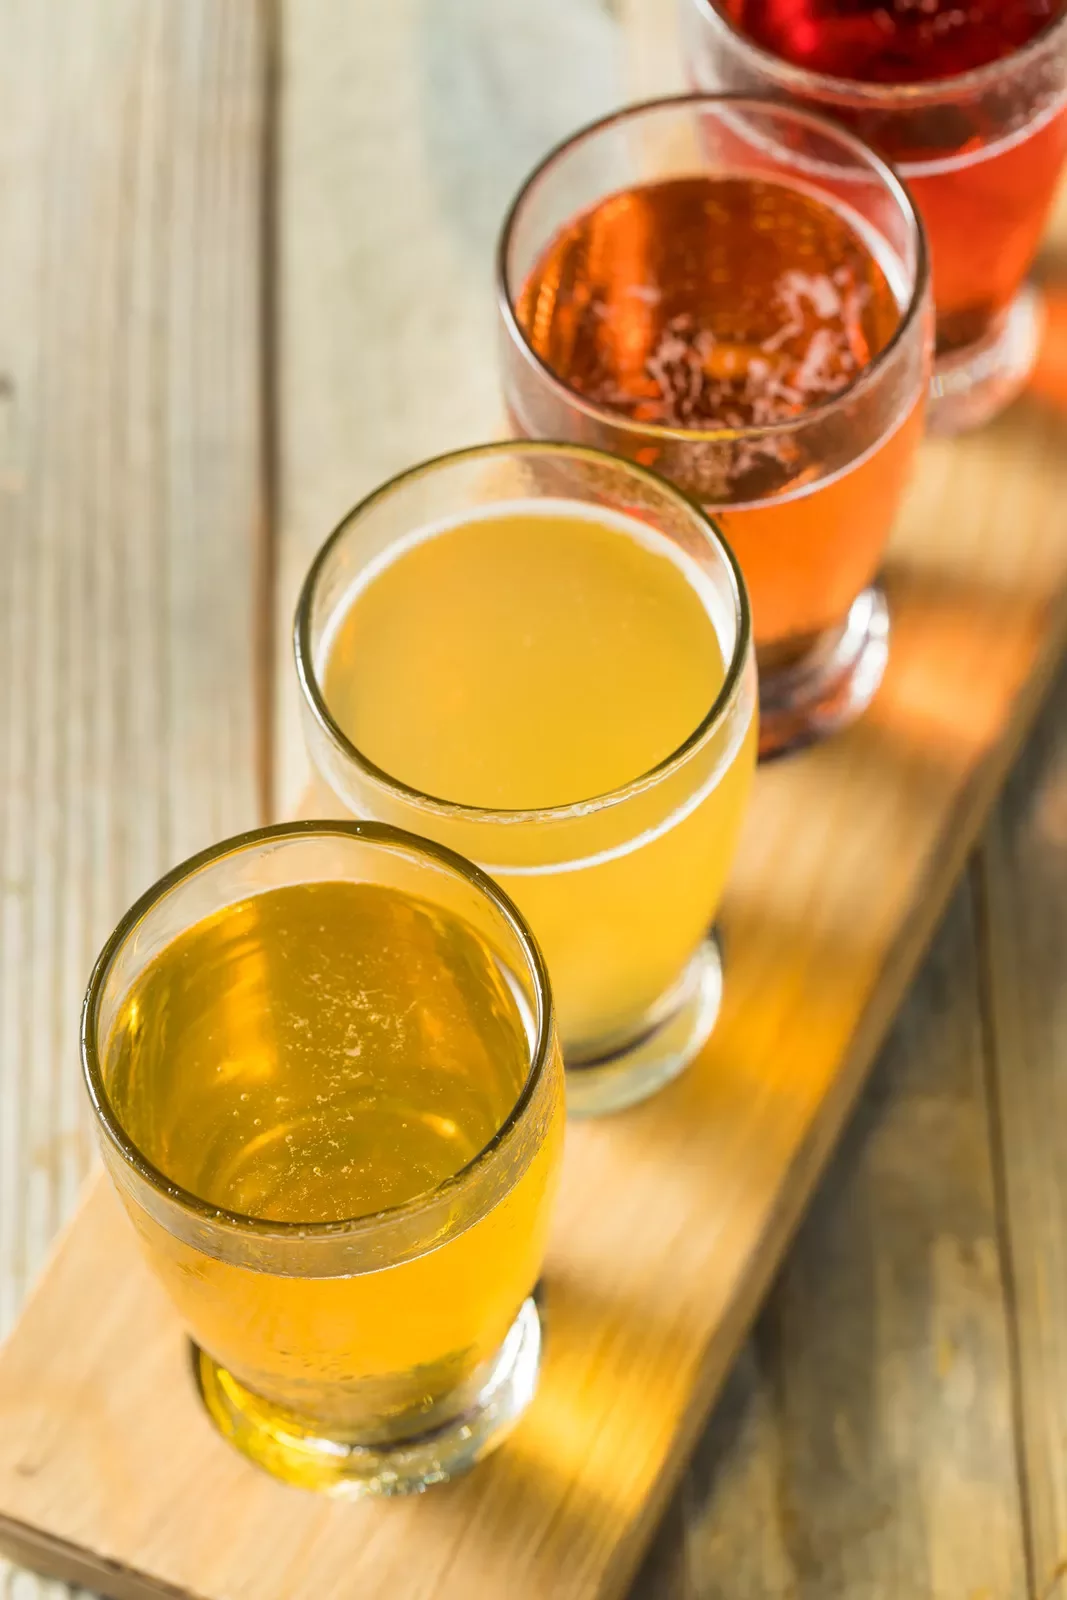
x: 807, y: 503
x: 368, y: 1356
x: 620, y: 888
x: 981, y: 152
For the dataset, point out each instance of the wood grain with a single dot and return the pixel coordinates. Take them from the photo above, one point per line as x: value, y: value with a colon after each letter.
x: 1024, y: 926
x: 130, y: 508
x: 864, y: 1445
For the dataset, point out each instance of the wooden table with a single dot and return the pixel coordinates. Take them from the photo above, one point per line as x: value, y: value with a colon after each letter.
x: 202, y: 234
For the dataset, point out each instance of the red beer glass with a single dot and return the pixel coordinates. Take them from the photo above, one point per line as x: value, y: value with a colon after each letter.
x: 970, y: 105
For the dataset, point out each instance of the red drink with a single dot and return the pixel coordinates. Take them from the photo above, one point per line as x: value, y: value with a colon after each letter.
x: 984, y: 207
x: 984, y: 215
x: 898, y: 41
x: 968, y: 98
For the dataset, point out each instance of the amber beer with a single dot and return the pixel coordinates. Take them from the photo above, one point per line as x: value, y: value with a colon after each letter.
x: 492, y: 651
x: 748, y: 319
x: 787, y: 308
x: 333, y: 1107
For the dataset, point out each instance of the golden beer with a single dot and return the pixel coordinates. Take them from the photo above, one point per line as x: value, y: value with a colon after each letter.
x: 317, y: 1073
x: 560, y: 687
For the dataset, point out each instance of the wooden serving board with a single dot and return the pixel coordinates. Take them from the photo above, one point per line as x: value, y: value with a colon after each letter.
x: 672, y: 1216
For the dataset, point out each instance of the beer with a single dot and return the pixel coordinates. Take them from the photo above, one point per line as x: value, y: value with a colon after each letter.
x: 710, y: 302
x: 984, y: 197
x: 733, y: 293
x: 350, y: 1108
x: 541, y: 656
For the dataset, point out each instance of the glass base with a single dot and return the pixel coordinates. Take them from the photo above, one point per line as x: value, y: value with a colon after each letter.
x: 971, y: 386
x: 298, y: 1455
x: 831, y: 685
x: 680, y: 1024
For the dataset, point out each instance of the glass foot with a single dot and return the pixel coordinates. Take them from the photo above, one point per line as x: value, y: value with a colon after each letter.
x: 831, y: 685
x: 676, y: 1030
x: 971, y: 386
x: 294, y: 1450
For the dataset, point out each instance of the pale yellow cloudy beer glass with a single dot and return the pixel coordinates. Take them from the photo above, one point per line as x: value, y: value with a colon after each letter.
x: 489, y: 648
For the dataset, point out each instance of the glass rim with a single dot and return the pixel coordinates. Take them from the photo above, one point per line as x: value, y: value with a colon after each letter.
x: 725, y: 697
x: 658, y: 431
x: 345, y: 1228
x: 886, y: 96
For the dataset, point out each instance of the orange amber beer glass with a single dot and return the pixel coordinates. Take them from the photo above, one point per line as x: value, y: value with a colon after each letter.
x: 735, y: 293
x: 542, y: 658
x: 324, y: 1068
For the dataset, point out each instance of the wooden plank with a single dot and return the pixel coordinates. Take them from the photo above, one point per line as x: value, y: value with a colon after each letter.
x: 1024, y: 878
x: 130, y: 510
x: 652, y: 57
x: 864, y: 1444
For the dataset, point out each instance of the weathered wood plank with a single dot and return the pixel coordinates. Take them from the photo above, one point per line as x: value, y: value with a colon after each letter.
x: 864, y: 1444
x: 1024, y: 879
x: 130, y: 512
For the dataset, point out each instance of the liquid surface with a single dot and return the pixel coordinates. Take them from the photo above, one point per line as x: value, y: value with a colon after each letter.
x: 702, y: 301
x: 318, y: 1052
x: 894, y: 41
x: 524, y: 660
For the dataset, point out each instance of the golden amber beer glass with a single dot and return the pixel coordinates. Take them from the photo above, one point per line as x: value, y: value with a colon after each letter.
x: 542, y: 657
x: 324, y: 1068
